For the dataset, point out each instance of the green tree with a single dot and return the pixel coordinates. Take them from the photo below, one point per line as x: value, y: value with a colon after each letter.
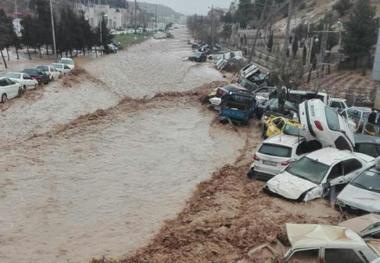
x: 6, y: 30
x: 361, y: 31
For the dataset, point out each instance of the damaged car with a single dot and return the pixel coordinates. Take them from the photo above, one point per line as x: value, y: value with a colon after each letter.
x: 326, y: 125
x: 313, y: 175
x: 367, y: 226
x: 362, y: 194
x: 328, y: 244
x: 276, y: 153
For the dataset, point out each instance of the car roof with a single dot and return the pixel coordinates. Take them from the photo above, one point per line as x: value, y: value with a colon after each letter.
x: 284, y: 140
x: 361, y: 138
x: 312, y: 235
x: 366, y: 109
x: 330, y: 155
x: 338, y: 99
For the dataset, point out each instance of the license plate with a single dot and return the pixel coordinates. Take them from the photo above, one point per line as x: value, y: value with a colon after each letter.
x: 270, y: 163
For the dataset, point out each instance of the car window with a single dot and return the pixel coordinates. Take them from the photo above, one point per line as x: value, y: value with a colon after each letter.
x: 27, y: 76
x: 369, y: 180
x: 308, y: 147
x: 332, y: 118
x: 279, y: 123
x: 335, y: 104
x: 309, y: 169
x: 9, y: 82
x: 354, y: 114
x: 367, y: 148
x: 335, y: 172
x: 3, y: 82
x: 308, y: 256
x: 342, y: 255
x: 342, y: 144
x: 344, y: 114
x: 351, y: 165
x: 275, y: 150
x: 13, y: 75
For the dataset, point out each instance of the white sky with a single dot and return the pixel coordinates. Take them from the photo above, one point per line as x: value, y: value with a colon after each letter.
x: 189, y: 7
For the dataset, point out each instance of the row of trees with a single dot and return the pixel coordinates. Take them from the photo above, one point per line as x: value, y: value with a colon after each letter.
x: 73, y: 31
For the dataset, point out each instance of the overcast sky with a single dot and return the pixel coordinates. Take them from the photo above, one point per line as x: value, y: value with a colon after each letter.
x: 189, y: 7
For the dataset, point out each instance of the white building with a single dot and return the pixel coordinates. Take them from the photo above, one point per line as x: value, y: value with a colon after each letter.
x: 117, y: 18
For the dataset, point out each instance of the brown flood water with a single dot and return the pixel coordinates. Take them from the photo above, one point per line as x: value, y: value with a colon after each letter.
x: 103, y: 187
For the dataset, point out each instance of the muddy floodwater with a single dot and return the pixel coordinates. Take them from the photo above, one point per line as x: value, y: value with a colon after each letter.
x: 104, y: 187
x: 142, y: 71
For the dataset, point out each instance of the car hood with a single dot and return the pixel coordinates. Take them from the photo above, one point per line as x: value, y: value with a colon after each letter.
x: 360, y: 198
x: 289, y: 186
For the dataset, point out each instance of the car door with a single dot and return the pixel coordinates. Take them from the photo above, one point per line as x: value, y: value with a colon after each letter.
x: 12, y: 88
x: 336, y: 175
x: 27, y: 79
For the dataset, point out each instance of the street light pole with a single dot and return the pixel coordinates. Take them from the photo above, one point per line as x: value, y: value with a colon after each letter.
x: 135, y: 17
x: 52, y: 28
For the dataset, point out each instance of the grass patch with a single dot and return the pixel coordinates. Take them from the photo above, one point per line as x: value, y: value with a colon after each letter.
x: 127, y: 40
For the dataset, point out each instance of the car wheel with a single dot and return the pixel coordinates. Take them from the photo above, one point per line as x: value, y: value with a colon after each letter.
x: 20, y: 91
x: 4, y: 98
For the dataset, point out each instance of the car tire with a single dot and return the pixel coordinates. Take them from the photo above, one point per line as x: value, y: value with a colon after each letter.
x: 20, y: 91
x: 251, y: 174
x: 4, y: 98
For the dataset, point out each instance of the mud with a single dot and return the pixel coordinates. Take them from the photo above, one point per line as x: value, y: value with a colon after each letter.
x: 227, y: 216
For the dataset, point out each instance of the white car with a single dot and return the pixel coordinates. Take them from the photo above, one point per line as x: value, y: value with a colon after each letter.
x: 276, y: 153
x: 357, y: 115
x: 68, y: 62
x: 326, y: 125
x: 50, y: 71
x: 247, y: 69
x: 338, y: 104
x: 9, y: 89
x: 62, y: 68
x: 24, y: 79
x: 314, y: 174
x: 362, y: 194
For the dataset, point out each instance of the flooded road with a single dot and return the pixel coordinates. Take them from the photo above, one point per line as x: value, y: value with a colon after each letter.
x: 105, y: 186
x: 143, y: 70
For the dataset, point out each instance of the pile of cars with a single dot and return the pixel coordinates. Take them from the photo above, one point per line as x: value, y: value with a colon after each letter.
x: 14, y: 84
x: 314, y: 147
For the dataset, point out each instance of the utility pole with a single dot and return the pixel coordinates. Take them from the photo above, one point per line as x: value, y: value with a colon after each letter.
x: 287, y: 37
x: 135, y: 17
x: 260, y: 26
x: 53, y: 28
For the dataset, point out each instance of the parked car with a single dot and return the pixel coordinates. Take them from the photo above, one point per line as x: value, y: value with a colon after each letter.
x: 338, y: 104
x: 23, y: 78
x: 359, y: 115
x: 366, y: 144
x: 50, y: 71
x: 367, y: 226
x: 362, y: 194
x: 276, y: 125
x: 328, y: 244
x: 9, y: 89
x: 313, y: 175
x: 68, y: 62
x: 198, y: 57
x: 326, y: 125
x: 276, y: 153
x: 62, y: 68
x: 238, y: 107
x: 38, y: 75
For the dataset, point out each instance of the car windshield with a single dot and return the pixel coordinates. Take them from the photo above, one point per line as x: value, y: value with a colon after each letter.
x: 275, y: 150
x: 292, y: 130
x: 309, y: 169
x: 13, y: 75
x: 369, y: 180
x: 332, y: 118
x: 58, y: 65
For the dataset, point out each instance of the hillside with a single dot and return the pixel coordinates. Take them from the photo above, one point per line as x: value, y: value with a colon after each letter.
x: 162, y: 10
